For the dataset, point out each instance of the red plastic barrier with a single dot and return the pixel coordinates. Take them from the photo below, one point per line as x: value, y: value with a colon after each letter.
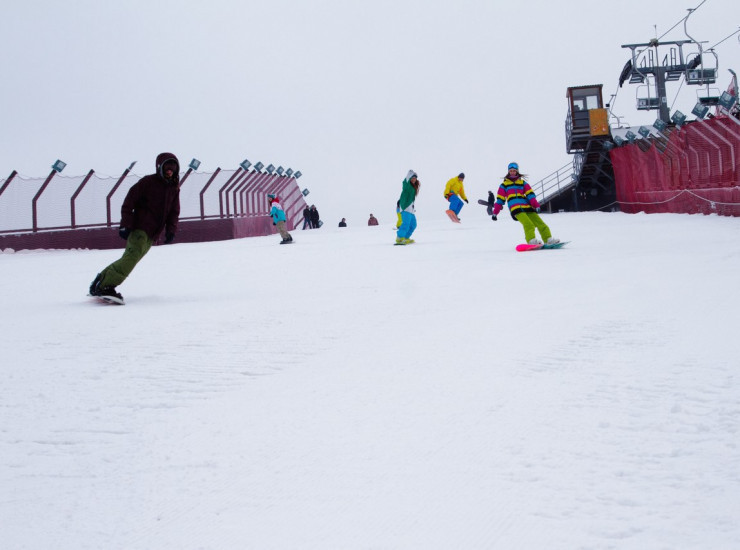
x: 697, y: 170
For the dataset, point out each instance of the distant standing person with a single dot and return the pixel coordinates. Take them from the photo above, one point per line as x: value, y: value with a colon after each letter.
x: 373, y: 220
x: 343, y: 223
x: 151, y: 206
x: 409, y: 190
x: 306, y: 217
x: 315, y: 220
x: 278, y: 218
x: 454, y: 192
x: 523, y: 206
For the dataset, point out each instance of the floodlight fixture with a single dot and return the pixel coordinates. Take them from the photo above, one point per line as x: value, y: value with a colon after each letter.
x: 280, y: 170
x: 194, y: 164
x: 305, y: 192
x: 631, y: 136
x: 644, y: 132
x: 259, y: 166
x: 678, y: 118
x: 245, y: 164
x: 727, y: 100
x: 58, y: 166
x: 131, y: 166
x: 297, y: 174
x: 270, y: 169
x: 289, y: 172
x: 659, y: 124
x: 618, y: 141
x: 700, y: 110
x: 608, y: 146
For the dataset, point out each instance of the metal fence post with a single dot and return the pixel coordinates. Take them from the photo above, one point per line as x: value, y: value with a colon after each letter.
x: 36, y: 198
x: 202, y: 192
x: 7, y: 181
x: 115, y: 187
x: 74, y: 197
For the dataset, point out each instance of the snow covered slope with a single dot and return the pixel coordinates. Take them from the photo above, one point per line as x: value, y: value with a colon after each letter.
x: 346, y: 393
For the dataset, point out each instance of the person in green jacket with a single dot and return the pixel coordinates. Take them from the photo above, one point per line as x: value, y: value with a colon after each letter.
x: 408, y: 213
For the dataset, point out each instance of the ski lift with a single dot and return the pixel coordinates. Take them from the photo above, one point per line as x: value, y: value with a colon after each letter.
x: 700, y: 76
x: 646, y: 103
x: 698, y: 73
x: 708, y: 96
x: 674, y: 66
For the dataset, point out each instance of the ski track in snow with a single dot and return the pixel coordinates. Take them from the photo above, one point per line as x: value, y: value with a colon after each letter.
x: 346, y: 393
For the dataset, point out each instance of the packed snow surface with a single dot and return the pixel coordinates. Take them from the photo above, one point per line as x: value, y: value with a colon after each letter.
x: 341, y: 392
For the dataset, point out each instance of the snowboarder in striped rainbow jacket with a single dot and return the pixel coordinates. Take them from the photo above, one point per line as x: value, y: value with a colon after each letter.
x: 523, y: 206
x: 278, y: 218
x: 409, y: 190
x: 151, y: 206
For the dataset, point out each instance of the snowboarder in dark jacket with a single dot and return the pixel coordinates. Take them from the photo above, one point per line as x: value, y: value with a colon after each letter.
x: 151, y: 206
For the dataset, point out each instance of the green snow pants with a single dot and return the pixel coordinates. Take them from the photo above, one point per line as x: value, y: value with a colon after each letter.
x: 137, y: 245
x: 530, y: 220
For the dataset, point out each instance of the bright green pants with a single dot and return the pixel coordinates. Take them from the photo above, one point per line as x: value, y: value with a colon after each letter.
x: 530, y: 220
x: 137, y: 245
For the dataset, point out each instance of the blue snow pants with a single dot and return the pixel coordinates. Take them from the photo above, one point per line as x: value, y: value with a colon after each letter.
x: 408, y: 224
x: 456, y: 204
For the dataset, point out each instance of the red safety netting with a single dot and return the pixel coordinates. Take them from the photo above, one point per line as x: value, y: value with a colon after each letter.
x: 695, y: 170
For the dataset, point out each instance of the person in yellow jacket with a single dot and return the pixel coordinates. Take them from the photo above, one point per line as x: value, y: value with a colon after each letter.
x: 454, y: 192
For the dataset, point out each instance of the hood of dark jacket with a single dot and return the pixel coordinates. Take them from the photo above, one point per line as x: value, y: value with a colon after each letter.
x: 164, y: 157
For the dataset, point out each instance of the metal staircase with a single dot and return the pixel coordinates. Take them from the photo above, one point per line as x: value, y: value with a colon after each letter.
x: 587, y: 183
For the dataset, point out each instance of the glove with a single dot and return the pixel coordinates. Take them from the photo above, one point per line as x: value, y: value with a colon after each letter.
x: 493, y: 217
x: 168, y: 238
x: 538, y: 209
x: 466, y: 201
x: 124, y: 232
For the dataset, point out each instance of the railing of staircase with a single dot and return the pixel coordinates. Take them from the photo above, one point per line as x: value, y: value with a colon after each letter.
x: 555, y: 183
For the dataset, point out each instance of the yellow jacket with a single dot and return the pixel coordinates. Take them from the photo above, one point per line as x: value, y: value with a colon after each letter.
x: 455, y: 185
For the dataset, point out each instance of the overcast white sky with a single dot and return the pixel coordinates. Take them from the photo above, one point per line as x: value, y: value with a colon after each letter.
x: 351, y: 93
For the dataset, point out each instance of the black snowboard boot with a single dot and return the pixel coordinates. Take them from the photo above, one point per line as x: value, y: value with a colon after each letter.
x: 95, y: 285
x: 109, y: 291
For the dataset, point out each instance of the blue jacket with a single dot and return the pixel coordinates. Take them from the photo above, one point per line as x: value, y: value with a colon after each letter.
x: 277, y: 212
